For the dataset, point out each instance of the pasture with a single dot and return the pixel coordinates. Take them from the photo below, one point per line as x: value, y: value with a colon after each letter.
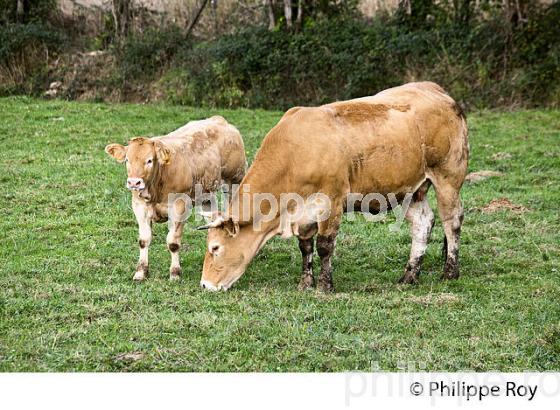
x: 68, y: 250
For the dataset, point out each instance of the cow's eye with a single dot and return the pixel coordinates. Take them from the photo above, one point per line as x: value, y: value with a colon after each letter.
x: 215, y: 248
x: 149, y: 161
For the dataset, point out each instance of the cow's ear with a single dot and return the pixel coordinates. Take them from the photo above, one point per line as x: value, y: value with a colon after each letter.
x: 163, y: 153
x: 117, y: 151
x: 231, y: 227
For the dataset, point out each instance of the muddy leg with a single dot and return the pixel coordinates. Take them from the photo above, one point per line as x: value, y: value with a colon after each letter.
x: 421, y: 216
x: 306, y: 247
x: 174, y: 244
x: 144, y: 239
x: 452, y: 229
x: 325, y: 249
x: 451, y: 214
x: 326, y: 240
x: 305, y: 238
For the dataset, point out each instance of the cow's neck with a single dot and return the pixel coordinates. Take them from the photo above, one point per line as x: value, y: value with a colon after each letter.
x: 152, y: 194
x: 254, y: 183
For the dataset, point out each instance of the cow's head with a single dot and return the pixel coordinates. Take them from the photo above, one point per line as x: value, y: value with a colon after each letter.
x: 230, y: 247
x: 143, y: 157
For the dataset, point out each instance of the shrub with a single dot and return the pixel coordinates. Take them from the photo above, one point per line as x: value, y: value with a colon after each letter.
x: 24, y: 53
x: 144, y: 55
x: 483, y: 64
x: 35, y: 11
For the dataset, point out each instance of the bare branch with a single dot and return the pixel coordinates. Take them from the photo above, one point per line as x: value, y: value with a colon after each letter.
x: 196, y: 18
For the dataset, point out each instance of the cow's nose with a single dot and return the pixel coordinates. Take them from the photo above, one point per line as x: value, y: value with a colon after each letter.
x: 135, y: 183
x: 207, y: 285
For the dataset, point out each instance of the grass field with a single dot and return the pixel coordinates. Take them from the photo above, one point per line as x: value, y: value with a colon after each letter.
x: 69, y: 246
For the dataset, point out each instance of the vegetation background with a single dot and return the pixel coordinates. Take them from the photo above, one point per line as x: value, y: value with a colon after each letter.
x: 276, y: 54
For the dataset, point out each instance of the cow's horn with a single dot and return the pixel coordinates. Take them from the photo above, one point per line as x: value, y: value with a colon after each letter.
x: 214, y: 224
x: 206, y: 215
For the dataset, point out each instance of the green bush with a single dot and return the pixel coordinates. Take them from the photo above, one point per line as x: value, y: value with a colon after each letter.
x: 24, y: 53
x: 483, y: 59
x: 35, y: 11
x: 146, y: 54
x: 483, y: 64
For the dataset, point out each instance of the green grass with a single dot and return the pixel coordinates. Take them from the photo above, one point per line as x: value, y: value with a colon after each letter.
x: 69, y: 246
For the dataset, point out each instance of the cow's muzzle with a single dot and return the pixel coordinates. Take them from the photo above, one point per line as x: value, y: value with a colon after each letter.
x: 135, y: 184
x: 204, y: 284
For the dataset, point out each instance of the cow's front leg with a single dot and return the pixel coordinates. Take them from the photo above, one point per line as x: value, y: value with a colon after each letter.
x: 174, y: 244
x: 144, y: 238
x: 305, y: 238
x: 325, y: 249
x: 306, y: 247
x: 326, y: 241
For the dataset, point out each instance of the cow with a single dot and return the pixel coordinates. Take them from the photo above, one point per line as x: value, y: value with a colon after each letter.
x: 208, y: 152
x: 400, y: 141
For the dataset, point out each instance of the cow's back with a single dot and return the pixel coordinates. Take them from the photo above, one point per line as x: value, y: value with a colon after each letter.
x: 384, y: 143
x: 209, y: 151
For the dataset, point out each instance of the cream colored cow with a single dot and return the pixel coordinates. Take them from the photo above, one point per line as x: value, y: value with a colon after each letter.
x: 207, y: 152
x: 400, y: 141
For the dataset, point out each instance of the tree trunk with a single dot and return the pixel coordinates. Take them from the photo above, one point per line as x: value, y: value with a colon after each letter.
x: 288, y: 13
x: 405, y: 7
x: 299, y: 17
x: 516, y: 12
x: 214, y: 4
x: 20, y: 11
x: 270, y: 12
x: 121, y: 15
x: 462, y: 11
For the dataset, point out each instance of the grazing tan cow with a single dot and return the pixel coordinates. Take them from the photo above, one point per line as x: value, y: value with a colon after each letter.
x: 400, y: 141
x: 207, y: 152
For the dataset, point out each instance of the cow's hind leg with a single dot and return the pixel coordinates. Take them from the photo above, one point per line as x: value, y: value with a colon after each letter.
x: 421, y: 217
x: 305, y: 239
x: 451, y: 214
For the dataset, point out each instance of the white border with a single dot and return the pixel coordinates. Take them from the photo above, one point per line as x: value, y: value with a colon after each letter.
x: 261, y: 391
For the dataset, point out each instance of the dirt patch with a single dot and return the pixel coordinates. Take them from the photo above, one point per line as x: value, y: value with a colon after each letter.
x: 503, y: 204
x: 500, y: 156
x: 129, y: 357
x: 478, y: 176
x: 330, y: 296
x: 435, y: 299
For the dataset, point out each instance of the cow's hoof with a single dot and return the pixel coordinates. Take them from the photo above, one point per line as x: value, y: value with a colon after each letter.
x: 306, y: 282
x: 139, y: 276
x: 411, y: 272
x: 175, y: 274
x: 325, y: 287
x: 408, y: 279
x: 450, y: 271
x: 450, y: 275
